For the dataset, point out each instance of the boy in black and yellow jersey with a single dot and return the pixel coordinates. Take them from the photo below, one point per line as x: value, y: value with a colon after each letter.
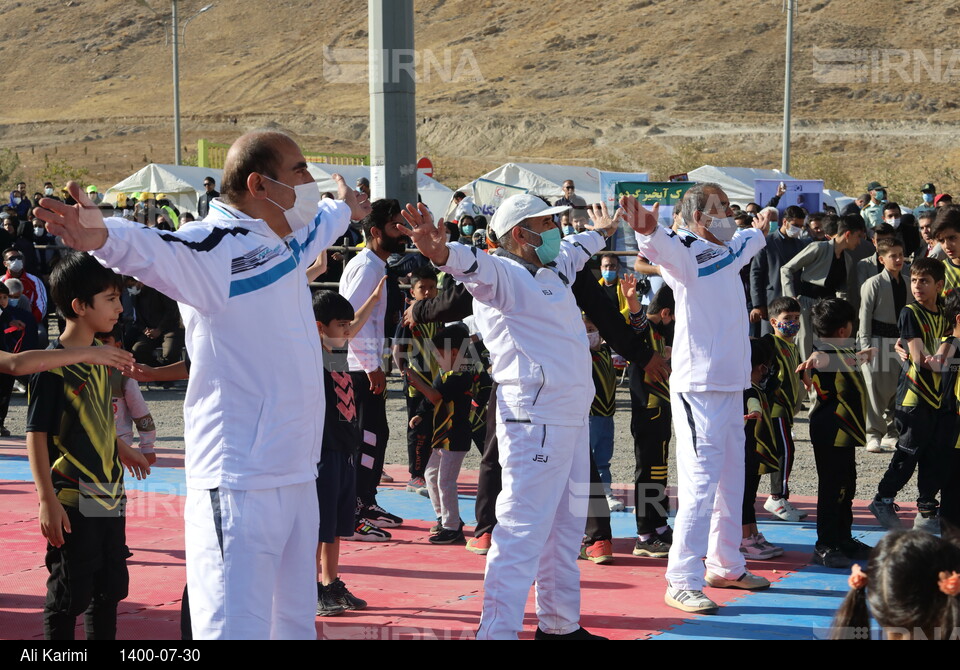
x: 785, y: 402
x: 76, y: 461
x: 414, y: 356
x: 651, y: 429
x: 946, y: 230
x: 836, y: 427
x: 602, y: 410
x: 760, y: 448
x: 922, y: 326
x: 949, y: 356
x: 449, y: 402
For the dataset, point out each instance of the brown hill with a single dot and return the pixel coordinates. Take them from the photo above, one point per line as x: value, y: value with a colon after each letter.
x: 656, y: 85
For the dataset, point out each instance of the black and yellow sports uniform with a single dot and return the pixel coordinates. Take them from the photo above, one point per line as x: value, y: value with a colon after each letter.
x: 837, y: 425
x: 919, y: 398
x: 651, y: 429
x: 951, y: 276
x: 419, y: 358
x: 72, y: 405
x: 948, y: 415
x: 783, y: 409
x: 760, y: 448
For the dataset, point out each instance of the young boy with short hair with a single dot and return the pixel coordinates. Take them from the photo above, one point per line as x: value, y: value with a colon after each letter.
x: 448, y: 401
x: 785, y: 401
x: 836, y: 429
x: 946, y: 231
x: 882, y: 299
x: 76, y: 461
x: 919, y: 396
x: 336, y: 473
x: 412, y: 351
x: 650, y: 426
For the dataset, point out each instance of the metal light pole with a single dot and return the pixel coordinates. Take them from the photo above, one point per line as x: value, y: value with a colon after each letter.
x: 176, y: 83
x: 788, y: 78
x: 393, y: 123
x: 175, y: 36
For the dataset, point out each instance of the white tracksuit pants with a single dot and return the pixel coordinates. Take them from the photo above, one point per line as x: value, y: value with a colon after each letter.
x: 251, y: 562
x: 710, y: 471
x: 541, y: 514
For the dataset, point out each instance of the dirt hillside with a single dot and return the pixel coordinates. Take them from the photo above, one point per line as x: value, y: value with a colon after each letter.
x: 657, y: 85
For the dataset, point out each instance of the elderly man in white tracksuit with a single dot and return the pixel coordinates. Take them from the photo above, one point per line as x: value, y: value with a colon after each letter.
x: 701, y: 262
x: 253, y: 414
x: 534, y: 331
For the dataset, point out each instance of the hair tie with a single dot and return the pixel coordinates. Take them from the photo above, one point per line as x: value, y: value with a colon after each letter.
x: 858, y: 578
x: 949, y: 583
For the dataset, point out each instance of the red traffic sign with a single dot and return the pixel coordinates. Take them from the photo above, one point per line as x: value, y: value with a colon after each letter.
x: 425, y: 166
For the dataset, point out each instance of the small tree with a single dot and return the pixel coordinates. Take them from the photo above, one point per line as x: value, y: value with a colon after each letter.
x: 59, y: 172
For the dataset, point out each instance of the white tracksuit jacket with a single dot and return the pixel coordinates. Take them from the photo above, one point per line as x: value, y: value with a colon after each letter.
x: 253, y: 413
x: 711, y: 349
x: 533, y: 329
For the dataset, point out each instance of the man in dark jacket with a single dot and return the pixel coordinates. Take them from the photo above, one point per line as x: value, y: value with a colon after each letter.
x: 157, y: 324
x: 782, y: 245
x: 203, y: 202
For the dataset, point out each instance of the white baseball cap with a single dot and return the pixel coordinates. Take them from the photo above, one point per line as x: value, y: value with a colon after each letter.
x: 516, y: 208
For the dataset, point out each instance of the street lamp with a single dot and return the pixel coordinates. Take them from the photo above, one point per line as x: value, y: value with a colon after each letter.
x: 175, y: 34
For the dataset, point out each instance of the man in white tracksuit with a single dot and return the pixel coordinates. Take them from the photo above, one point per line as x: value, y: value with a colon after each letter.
x: 701, y: 262
x: 253, y: 413
x: 540, y: 358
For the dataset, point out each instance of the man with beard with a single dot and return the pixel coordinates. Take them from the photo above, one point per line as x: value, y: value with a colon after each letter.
x: 383, y: 231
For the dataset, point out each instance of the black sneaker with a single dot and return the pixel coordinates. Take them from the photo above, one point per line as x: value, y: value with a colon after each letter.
x: 830, y: 557
x: 658, y: 546
x: 364, y: 532
x: 579, y: 634
x: 343, y: 597
x: 855, y: 550
x: 327, y: 604
x: 379, y: 517
x: 448, y: 537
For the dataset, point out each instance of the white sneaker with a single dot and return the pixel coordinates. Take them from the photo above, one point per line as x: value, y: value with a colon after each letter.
x: 747, y: 581
x: 778, y: 507
x: 688, y: 600
x: 752, y: 548
x: 613, y: 503
x: 890, y: 442
x: 790, y: 507
x: 777, y: 551
x: 876, y: 446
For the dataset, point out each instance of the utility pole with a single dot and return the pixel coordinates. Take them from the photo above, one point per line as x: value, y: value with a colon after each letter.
x: 791, y: 6
x: 176, y: 84
x: 393, y: 121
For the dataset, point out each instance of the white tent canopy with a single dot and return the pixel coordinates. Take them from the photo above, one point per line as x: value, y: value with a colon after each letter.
x: 546, y: 180
x: 182, y: 184
x: 435, y: 195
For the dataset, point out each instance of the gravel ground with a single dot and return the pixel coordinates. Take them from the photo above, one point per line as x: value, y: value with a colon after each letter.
x: 167, y: 409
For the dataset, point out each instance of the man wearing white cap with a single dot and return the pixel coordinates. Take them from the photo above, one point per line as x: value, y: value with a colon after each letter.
x: 540, y: 358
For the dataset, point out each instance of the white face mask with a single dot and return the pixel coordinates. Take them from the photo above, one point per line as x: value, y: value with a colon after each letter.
x: 133, y: 290
x: 593, y: 338
x: 305, y: 204
x: 793, y: 232
x: 15, y: 266
x: 722, y: 228
x: 17, y: 201
x: 48, y: 191
x: 895, y: 223
x: 38, y: 231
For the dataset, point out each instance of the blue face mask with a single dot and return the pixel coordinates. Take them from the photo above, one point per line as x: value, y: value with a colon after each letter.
x: 609, y: 276
x: 569, y: 230
x: 549, y: 247
x: 928, y: 198
x: 468, y: 230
